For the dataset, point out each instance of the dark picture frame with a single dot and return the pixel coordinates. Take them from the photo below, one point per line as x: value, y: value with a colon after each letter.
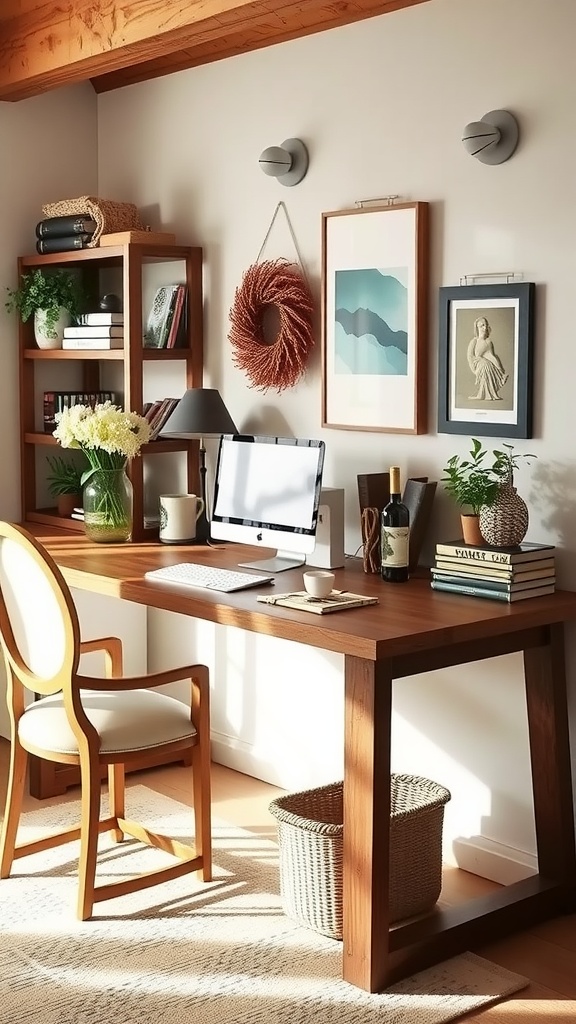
x: 485, y: 370
x: 374, y: 318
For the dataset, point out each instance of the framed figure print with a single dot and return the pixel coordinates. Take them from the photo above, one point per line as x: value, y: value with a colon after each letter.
x: 485, y: 360
x: 374, y: 345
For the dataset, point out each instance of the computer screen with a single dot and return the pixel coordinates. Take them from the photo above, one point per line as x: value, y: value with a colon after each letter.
x: 267, y: 492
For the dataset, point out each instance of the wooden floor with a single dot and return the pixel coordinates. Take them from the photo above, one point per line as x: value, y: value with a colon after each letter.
x: 546, y: 953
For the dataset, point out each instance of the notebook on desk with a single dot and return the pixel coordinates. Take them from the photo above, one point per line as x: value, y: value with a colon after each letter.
x: 337, y: 601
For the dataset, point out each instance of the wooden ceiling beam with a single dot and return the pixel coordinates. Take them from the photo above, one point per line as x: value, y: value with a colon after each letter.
x: 44, y: 46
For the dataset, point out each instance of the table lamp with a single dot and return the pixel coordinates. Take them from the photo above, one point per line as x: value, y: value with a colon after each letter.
x: 200, y: 413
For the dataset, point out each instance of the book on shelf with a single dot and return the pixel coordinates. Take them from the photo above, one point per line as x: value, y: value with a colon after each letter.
x: 489, y: 583
x: 173, y: 333
x: 337, y: 601
x: 57, y: 401
x: 63, y: 227
x: 160, y: 417
x: 100, y: 319
x: 524, y: 552
x: 493, y: 595
x: 150, y: 409
x: 64, y: 244
x: 517, y: 571
x: 94, y: 331
x: 90, y: 344
x: 160, y: 316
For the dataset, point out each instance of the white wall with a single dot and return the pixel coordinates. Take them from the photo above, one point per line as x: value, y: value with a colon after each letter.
x: 381, y: 106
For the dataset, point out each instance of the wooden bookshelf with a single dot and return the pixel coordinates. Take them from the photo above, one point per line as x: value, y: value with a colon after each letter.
x: 128, y: 261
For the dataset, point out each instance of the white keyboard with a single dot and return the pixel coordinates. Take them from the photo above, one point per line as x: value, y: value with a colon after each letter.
x: 192, y: 574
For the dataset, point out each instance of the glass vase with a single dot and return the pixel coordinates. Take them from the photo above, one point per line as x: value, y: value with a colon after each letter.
x: 107, y: 502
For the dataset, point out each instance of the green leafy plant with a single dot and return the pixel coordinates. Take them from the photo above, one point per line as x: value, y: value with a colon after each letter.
x: 46, y: 290
x: 472, y: 484
x: 506, y: 462
x: 64, y: 478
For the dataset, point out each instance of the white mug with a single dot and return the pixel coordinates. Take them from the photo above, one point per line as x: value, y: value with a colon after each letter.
x: 318, y: 582
x: 179, y: 514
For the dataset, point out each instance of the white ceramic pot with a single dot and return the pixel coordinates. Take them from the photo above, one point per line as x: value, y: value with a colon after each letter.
x: 52, y: 338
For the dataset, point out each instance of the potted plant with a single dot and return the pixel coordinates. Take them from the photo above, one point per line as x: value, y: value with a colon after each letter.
x: 65, y: 484
x: 505, y: 522
x: 473, y: 487
x: 54, y: 298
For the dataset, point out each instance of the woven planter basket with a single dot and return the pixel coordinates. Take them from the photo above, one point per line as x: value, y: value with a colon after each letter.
x: 310, y: 838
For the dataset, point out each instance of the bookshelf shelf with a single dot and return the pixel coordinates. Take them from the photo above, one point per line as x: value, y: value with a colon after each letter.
x: 129, y: 262
x: 55, y: 355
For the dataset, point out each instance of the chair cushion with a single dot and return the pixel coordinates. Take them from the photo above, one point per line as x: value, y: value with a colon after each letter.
x: 126, y: 720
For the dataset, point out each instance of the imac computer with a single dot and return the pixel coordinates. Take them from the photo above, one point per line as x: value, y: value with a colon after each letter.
x: 267, y: 492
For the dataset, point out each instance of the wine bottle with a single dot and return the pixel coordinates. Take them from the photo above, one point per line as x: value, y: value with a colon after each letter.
x: 395, y: 534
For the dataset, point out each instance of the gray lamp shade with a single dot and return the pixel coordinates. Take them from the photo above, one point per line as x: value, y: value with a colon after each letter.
x: 200, y: 413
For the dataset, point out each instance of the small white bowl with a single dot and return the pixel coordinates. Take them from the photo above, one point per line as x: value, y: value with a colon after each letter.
x: 319, y: 582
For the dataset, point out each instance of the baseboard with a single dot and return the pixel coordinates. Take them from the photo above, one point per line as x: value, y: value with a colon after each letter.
x: 239, y: 755
x: 287, y: 773
x: 493, y: 860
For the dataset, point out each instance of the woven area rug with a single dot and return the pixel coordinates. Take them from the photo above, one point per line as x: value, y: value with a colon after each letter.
x: 190, y: 953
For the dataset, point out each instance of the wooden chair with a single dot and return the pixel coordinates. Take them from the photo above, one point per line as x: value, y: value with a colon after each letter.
x: 90, y: 722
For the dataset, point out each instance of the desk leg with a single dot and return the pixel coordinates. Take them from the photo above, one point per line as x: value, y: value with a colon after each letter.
x: 368, y: 710
x: 545, y: 674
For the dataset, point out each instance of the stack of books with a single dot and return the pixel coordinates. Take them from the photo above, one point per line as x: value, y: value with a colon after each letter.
x: 500, y: 574
x: 95, y: 330
x: 62, y: 234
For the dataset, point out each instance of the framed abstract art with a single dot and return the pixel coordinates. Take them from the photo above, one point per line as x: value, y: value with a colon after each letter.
x: 374, y: 343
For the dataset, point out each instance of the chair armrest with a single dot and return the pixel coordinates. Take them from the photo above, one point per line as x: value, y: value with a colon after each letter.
x: 112, y: 648
x: 143, y: 682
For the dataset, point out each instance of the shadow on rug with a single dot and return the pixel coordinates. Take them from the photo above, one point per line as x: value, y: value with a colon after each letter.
x: 187, y: 952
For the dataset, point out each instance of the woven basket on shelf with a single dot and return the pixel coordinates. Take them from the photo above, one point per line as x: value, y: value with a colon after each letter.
x: 109, y: 215
x: 310, y: 839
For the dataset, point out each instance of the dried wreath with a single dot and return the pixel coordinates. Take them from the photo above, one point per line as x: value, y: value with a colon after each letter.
x: 280, y: 364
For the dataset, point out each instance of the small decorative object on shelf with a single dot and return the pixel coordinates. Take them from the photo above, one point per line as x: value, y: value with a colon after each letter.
x: 473, y: 486
x: 53, y: 297
x: 110, y: 303
x: 108, y: 437
x: 504, y: 522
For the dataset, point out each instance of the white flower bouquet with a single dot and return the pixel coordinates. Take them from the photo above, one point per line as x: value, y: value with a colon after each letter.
x: 108, y: 437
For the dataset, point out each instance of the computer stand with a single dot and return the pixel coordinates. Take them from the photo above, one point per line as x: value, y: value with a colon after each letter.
x: 281, y: 561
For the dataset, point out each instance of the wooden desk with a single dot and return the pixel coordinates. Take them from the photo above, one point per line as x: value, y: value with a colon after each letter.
x: 412, y: 630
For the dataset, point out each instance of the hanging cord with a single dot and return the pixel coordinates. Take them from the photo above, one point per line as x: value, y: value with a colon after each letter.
x: 282, y: 205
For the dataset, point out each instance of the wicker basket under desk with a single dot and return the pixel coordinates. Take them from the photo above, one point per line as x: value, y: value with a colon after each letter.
x: 310, y: 838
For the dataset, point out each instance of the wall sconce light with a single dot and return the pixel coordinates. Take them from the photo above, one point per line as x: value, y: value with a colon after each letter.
x: 288, y: 162
x: 493, y: 139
